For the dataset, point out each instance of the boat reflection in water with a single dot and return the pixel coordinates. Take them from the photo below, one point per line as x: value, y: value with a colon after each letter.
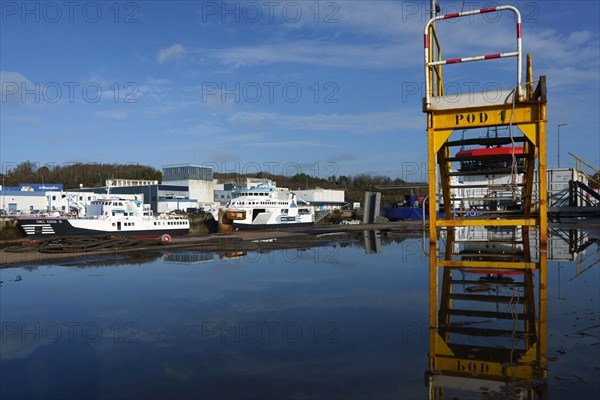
x: 188, y: 257
x: 487, y: 314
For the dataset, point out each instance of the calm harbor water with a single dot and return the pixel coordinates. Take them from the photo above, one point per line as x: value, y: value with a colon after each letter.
x: 347, y: 320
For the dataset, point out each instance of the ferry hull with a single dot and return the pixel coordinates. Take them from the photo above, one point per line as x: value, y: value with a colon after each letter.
x: 254, y: 227
x: 46, y: 228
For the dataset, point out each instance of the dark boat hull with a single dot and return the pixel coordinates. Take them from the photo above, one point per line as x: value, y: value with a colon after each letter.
x: 255, y: 227
x: 47, y: 228
x: 405, y: 213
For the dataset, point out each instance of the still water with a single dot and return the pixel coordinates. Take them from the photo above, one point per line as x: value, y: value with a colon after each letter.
x: 347, y: 320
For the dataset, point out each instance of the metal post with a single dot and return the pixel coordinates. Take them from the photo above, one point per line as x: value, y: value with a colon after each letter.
x: 558, y: 151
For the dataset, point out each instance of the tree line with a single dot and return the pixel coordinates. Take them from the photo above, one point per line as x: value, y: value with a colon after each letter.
x: 76, y: 174
x: 95, y: 174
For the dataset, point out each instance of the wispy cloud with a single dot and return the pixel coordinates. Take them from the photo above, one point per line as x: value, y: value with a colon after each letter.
x: 366, y: 56
x: 378, y: 122
x: 173, y: 52
x: 289, y: 144
x: 14, y: 85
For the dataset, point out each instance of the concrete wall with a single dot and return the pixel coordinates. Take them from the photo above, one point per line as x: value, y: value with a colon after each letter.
x: 321, y: 195
x: 200, y: 190
x: 175, y: 204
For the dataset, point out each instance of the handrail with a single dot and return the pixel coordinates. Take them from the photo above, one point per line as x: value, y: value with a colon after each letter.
x: 431, y: 64
x: 579, y: 163
x: 438, y: 68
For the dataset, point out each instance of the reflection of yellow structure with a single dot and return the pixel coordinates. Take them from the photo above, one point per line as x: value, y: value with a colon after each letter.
x: 486, y: 333
x: 521, y: 106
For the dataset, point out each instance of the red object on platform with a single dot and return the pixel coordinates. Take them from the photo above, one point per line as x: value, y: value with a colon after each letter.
x: 489, y: 151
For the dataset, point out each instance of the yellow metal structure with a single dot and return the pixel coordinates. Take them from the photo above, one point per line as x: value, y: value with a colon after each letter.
x: 485, y: 328
x: 523, y: 107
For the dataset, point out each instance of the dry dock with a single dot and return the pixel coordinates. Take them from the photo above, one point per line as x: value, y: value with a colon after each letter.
x: 17, y: 254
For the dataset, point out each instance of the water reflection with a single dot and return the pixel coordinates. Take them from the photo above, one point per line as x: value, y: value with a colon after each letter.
x: 487, y: 316
x: 188, y: 257
x: 372, y: 242
x: 350, y: 319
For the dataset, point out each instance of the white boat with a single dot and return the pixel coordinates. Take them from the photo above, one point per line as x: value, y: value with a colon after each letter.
x: 105, y: 216
x: 263, y: 207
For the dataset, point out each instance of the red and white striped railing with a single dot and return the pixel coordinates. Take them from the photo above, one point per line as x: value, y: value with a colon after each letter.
x: 429, y: 64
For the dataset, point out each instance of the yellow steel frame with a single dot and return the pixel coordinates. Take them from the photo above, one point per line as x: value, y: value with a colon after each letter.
x: 528, y: 113
x: 530, y: 117
x: 442, y: 360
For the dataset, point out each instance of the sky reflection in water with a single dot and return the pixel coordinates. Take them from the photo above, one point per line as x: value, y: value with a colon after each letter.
x: 327, y: 322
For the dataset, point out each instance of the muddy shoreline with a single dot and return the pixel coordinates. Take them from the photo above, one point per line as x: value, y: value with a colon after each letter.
x: 231, y: 243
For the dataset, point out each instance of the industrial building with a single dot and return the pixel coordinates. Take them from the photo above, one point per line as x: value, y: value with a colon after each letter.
x: 323, y: 199
x: 183, y: 186
x: 197, y: 178
x: 26, y: 197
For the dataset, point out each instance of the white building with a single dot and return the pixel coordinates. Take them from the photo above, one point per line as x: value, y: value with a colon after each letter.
x: 22, y: 201
x: 198, y: 179
x: 323, y: 199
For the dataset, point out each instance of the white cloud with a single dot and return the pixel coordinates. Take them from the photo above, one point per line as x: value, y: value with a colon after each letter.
x: 378, y: 122
x: 173, y: 52
x: 12, y: 85
x: 369, y: 56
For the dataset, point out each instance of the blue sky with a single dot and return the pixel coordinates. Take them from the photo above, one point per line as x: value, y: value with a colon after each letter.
x: 325, y: 88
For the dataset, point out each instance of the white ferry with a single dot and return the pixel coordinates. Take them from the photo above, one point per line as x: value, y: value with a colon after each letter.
x: 265, y: 208
x: 105, y: 216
